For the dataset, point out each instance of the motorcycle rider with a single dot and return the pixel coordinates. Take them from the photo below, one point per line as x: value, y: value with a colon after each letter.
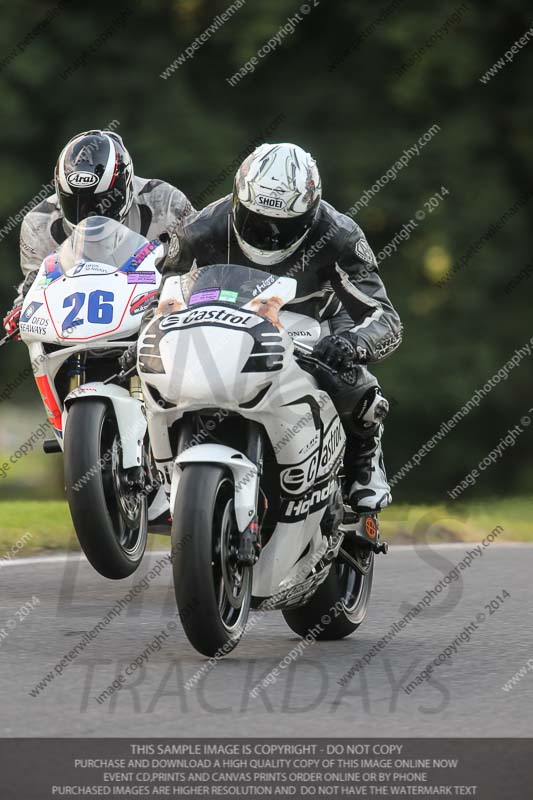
x: 93, y: 176
x: 276, y: 220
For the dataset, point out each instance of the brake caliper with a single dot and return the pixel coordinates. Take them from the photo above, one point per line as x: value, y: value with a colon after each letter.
x: 250, y: 544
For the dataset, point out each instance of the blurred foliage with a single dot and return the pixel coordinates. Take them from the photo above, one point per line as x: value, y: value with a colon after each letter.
x: 356, y: 119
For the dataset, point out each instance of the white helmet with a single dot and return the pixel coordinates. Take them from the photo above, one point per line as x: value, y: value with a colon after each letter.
x: 276, y: 196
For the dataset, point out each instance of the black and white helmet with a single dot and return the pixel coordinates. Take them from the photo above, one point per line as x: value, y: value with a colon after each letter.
x: 276, y: 196
x: 94, y: 176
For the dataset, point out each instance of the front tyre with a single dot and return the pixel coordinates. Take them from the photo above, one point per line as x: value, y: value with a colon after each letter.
x: 213, y: 592
x: 338, y: 606
x: 108, y: 509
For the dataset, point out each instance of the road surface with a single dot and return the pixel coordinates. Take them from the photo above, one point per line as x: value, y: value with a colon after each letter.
x: 463, y: 696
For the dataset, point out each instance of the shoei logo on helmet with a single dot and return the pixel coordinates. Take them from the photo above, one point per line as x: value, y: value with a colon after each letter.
x: 370, y: 528
x: 82, y: 180
x: 269, y: 202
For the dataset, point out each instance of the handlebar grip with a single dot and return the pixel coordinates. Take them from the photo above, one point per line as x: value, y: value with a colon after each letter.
x: 306, y: 349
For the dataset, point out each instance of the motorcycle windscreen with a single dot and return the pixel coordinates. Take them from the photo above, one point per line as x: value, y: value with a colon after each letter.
x: 99, y: 240
x: 238, y: 285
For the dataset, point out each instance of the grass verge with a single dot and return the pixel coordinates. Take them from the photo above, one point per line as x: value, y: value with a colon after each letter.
x: 50, y: 525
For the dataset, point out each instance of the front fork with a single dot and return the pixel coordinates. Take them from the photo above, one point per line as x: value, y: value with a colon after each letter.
x: 249, y: 548
x: 142, y: 477
x: 250, y: 540
x: 76, y: 372
x: 136, y: 388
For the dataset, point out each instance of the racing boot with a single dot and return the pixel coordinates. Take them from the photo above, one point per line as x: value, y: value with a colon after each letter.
x: 367, y: 491
x: 367, y: 486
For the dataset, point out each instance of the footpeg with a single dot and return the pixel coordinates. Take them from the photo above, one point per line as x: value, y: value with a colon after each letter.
x: 363, y: 529
x: 51, y: 446
x: 376, y: 547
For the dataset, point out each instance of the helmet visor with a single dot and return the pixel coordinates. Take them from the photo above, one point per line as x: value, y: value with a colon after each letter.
x: 270, y: 233
x: 80, y: 205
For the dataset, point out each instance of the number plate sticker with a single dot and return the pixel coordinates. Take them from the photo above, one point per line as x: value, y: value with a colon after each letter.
x: 230, y: 297
x: 204, y: 296
x: 141, y: 277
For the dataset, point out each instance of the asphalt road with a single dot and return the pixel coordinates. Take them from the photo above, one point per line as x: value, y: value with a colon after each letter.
x: 464, y: 696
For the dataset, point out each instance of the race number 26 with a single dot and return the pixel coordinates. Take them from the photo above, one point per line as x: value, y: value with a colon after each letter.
x: 99, y: 308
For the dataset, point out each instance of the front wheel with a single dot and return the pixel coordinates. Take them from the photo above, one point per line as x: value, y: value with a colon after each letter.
x: 213, y: 592
x: 338, y: 606
x: 108, y: 508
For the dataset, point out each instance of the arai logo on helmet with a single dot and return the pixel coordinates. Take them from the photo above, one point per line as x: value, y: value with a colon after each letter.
x: 269, y: 202
x: 82, y: 180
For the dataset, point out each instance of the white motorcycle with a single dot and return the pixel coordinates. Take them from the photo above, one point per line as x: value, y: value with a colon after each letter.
x: 81, y: 312
x: 249, y: 450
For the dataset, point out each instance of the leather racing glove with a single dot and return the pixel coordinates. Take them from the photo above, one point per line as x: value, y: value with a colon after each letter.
x: 11, y: 322
x: 339, y: 353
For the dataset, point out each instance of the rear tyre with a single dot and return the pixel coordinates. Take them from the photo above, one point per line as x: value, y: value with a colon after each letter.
x: 108, y: 511
x: 213, y: 592
x: 344, y: 585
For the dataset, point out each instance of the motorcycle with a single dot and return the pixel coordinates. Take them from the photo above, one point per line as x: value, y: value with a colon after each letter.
x: 83, y: 309
x: 250, y: 454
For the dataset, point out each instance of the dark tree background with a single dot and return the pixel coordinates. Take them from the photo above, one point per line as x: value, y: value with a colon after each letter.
x: 338, y: 84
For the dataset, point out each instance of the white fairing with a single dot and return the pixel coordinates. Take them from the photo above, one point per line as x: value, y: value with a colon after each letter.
x: 303, y: 330
x: 91, y: 301
x: 129, y: 414
x: 245, y: 475
x: 241, y: 359
x: 87, y: 295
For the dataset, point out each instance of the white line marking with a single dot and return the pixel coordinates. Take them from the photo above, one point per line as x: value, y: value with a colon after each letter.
x: 396, y: 548
x: 60, y: 559
x: 403, y: 548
